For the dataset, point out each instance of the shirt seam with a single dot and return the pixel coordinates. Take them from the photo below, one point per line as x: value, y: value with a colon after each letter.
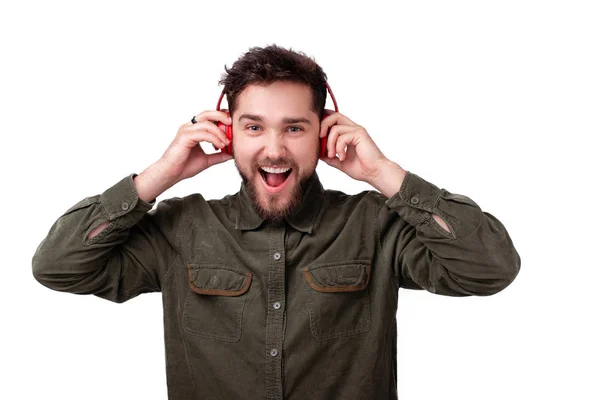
x: 380, y: 247
x: 102, y: 234
x: 177, y: 246
x: 435, y: 210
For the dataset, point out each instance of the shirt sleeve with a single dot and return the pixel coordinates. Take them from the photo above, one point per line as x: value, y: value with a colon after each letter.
x: 477, y: 256
x: 126, y: 258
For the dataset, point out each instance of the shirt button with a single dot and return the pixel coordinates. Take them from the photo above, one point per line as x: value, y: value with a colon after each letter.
x: 125, y: 205
x: 414, y: 200
x: 274, y: 352
x: 277, y: 256
x: 277, y: 305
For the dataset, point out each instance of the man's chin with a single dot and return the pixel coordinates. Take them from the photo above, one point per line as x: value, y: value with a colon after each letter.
x: 274, y: 207
x: 276, y: 204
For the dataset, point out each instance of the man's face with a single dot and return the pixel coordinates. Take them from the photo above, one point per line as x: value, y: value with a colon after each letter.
x: 275, y: 127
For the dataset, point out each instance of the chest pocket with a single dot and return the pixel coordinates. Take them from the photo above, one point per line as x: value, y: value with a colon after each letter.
x: 214, y: 304
x: 338, y: 298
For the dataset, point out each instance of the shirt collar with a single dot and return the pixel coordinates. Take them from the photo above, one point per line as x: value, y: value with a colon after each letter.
x: 303, y: 219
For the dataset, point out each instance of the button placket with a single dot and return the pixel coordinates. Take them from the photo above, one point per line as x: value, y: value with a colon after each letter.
x: 275, y: 313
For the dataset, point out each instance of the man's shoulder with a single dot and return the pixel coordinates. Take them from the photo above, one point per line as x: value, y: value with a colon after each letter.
x: 171, y: 211
x: 364, y: 197
x: 198, y: 199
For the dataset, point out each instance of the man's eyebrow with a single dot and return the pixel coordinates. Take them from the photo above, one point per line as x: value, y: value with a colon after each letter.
x: 299, y: 120
x: 258, y: 118
x: 250, y: 116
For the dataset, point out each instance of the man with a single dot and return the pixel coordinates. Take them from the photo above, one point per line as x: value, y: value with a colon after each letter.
x: 283, y: 290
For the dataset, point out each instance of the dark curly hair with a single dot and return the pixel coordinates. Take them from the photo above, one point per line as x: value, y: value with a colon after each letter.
x: 266, y: 65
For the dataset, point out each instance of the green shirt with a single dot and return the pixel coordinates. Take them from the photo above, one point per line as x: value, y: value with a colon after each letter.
x: 305, y: 309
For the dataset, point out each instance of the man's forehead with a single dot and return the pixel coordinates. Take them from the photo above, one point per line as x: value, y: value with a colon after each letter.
x: 278, y: 93
x: 278, y: 102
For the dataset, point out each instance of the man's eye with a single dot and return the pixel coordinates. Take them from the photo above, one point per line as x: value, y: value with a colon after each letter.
x: 251, y: 127
x: 295, y: 128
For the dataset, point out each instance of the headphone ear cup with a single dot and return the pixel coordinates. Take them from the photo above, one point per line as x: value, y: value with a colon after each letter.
x: 228, y: 129
x: 323, y: 146
x: 229, y: 134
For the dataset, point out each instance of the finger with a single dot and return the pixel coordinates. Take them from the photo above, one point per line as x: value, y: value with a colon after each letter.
x: 342, y: 143
x: 213, y: 128
x: 332, y: 139
x: 325, y: 127
x: 334, y: 119
x: 210, y: 127
x: 199, y: 161
x: 193, y: 138
x: 217, y: 158
x: 334, y: 162
x: 213, y: 116
x: 326, y: 124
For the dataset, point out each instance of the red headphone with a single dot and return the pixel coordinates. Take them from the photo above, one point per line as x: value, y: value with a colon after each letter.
x: 229, y: 130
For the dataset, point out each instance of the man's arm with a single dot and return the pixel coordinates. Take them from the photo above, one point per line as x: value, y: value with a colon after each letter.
x: 148, y: 185
x: 111, y: 245
x: 127, y: 255
x: 470, y: 254
x: 390, y: 181
x: 433, y: 239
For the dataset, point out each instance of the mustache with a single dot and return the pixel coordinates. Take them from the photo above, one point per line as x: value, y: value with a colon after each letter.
x: 276, y: 163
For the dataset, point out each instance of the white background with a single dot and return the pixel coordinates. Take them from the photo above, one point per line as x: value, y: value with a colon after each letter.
x: 496, y: 100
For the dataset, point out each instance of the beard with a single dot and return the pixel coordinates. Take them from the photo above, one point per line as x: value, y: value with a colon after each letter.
x: 272, y: 212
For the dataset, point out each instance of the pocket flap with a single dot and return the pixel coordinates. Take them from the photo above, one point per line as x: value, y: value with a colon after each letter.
x: 218, y: 280
x: 349, y: 276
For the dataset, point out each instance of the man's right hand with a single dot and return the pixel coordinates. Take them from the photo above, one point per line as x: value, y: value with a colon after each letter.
x: 184, y: 157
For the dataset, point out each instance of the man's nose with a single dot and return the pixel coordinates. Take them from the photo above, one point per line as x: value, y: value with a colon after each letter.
x: 275, y: 146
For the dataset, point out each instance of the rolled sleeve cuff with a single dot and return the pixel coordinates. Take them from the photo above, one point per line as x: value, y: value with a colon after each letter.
x: 415, y: 200
x: 121, y: 203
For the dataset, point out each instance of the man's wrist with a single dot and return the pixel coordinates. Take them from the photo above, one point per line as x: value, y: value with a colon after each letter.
x: 151, y: 183
x: 388, y: 179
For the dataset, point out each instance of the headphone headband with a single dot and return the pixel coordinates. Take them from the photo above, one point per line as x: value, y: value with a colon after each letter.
x: 326, y: 84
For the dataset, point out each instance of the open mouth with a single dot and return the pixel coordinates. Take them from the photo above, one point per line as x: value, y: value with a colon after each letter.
x: 274, y: 177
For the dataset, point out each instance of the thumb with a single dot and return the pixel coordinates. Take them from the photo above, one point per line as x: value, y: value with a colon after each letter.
x: 334, y: 162
x: 217, y: 158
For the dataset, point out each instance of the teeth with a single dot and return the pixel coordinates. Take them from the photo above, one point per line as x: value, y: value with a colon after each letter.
x: 275, y: 170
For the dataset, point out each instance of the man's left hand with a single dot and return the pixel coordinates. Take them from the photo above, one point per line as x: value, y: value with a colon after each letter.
x: 362, y: 160
x: 359, y: 156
